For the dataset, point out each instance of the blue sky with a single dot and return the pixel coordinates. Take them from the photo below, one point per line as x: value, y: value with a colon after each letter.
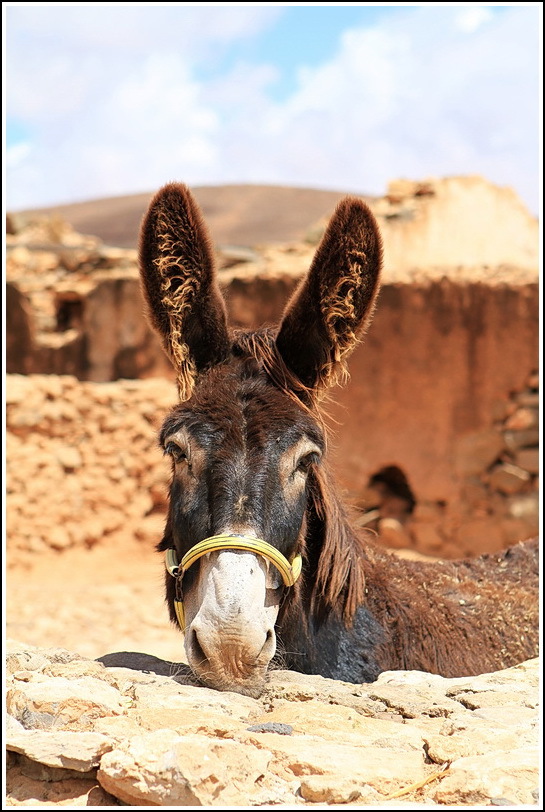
x: 115, y: 98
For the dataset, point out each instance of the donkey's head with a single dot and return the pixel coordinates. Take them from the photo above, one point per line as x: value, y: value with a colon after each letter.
x: 246, y: 440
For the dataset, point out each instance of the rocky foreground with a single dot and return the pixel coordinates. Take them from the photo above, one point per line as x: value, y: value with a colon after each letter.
x: 82, y: 734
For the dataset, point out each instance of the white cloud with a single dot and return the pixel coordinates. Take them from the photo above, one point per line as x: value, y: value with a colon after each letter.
x: 120, y: 108
x: 17, y: 154
x: 471, y: 18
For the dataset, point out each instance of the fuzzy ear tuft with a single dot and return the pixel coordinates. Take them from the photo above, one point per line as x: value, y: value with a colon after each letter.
x: 332, y: 308
x: 178, y: 277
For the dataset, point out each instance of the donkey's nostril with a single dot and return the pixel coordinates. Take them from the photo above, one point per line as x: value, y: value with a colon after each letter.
x: 269, y: 645
x: 197, y: 651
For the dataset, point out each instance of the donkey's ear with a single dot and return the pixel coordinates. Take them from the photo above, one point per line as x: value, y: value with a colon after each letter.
x: 330, y: 311
x: 177, y: 271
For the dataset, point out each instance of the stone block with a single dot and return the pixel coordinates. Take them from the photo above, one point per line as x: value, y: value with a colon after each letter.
x: 508, y: 478
x: 162, y: 768
x: 69, y: 750
x: 523, y: 419
x: 476, y: 452
x: 512, y: 775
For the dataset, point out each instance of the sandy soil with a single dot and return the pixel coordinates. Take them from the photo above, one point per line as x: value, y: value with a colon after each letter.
x: 93, y: 602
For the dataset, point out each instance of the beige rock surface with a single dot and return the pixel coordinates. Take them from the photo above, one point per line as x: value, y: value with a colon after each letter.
x: 307, y: 740
x: 69, y: 750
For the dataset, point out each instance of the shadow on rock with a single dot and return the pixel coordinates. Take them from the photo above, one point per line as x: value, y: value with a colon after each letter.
x: 149, y: 664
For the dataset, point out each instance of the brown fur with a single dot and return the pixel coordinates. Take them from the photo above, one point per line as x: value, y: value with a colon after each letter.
x: 334, y: 305
x: 177, y: 272
x: 450, y: 618
x: 457, y: 617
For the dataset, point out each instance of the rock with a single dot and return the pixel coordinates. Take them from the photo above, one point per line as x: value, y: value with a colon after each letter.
x: 272, y: 727
x: 524, y: 506
x: 59, y: 702
x: 41, y: 772
x: 475, y: 452
x: 166, y: 694
x: 18, y: 388
x: 185, y: 721
x: 317, y: 718
x: 25, y: 660
x: 12, y: 724
x: 20, y: 331
x: 528, y: 400
x: 69, y: 457
x: 81, y: 668
x: 165, y: 769
x: 524, y: 438
x: 161, y: 742
x: 35, y: 792
x: 442, y: 749
x: 72, y: 751
x: 508, y: 478
x: 384, y: 770
x: 523, y: 419
x: 328, y: 789
x: 413, y: 694
x: 59, y: 538
x: 292, y: 686
x: 478, y: 780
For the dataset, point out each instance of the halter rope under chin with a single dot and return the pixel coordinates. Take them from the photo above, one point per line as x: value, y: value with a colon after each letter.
x: 290, y: 571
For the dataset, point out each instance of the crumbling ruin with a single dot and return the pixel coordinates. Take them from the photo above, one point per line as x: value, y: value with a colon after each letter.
x: 445, y: 384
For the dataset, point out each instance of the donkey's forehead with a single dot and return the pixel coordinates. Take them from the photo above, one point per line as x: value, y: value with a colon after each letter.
x: 224, y: 403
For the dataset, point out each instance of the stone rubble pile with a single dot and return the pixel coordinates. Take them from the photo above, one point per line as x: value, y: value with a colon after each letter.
x: 83, y: 462
x: 79, y: 733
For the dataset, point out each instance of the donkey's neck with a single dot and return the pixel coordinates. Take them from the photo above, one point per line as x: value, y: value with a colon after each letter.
x: 452, y: 618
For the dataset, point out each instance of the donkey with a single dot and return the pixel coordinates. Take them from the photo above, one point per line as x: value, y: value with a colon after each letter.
x: 262, y: 564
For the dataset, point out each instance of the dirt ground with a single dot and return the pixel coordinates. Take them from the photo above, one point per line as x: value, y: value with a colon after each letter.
x: 93, y: 602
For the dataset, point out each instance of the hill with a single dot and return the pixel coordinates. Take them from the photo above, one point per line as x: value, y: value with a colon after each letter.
x: 243, y: 215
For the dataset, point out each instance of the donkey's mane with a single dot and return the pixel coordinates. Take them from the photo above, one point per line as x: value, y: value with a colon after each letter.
x: 332, y: 549
x: 340, y: 575
x: 261, y: 346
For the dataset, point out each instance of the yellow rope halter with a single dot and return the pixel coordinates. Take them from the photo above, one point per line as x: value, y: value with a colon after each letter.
x: 290, y: 571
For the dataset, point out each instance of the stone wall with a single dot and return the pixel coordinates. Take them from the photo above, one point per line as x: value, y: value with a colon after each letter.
x: 82, y: 734
x: 439, y: 376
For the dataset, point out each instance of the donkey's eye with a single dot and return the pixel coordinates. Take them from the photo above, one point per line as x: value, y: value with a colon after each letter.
x: 306, y: 461
x: 177, y: 453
